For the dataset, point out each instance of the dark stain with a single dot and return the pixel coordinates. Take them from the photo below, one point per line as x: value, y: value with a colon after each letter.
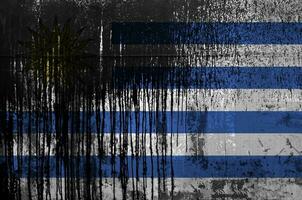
x: 236, y: 186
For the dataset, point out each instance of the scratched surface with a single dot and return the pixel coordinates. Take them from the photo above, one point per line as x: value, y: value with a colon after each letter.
x: 47, y: 95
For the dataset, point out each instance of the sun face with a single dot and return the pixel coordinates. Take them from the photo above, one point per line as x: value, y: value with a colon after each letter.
x: 53, y: 53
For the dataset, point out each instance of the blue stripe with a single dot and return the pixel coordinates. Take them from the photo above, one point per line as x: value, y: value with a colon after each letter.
x: 208, y: 77
x: 171, y: 122
x: 183, y: 166
x: 206, y: 33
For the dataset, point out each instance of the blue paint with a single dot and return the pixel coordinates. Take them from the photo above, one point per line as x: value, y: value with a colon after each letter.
x: 206, y: 33
x: 183, y: 166
x: 170, y: 122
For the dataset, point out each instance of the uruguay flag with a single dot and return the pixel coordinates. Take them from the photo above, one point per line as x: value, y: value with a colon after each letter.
x: 222, y: 119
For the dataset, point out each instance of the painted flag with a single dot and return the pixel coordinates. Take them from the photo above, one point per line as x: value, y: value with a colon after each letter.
x: 197, y: 107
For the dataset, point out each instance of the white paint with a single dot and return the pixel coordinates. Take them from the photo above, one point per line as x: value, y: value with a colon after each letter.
x: 215, y: 100
x: 227, y: 55
x: 184, y: 188
x: 182, y: 144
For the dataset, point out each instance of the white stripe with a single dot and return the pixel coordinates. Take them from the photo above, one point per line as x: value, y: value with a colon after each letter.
x: 205, y: 100
x: 219, y: 55
x: 243, y: 55
x: 212, y: 100
x: 221, y: 11
x: 191, y: 188
x: 182, y: 144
